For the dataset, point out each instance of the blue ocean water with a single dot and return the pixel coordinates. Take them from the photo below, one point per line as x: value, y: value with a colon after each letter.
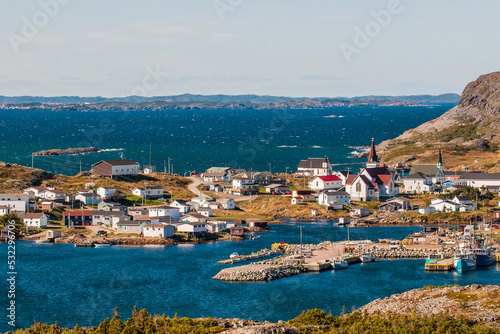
x: 83, y: 285
x: 198, y: 139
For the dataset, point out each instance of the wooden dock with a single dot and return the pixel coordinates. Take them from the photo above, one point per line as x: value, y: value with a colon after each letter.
x: 318, y: 266
x: 253, y: 256
x: 440, y: 265
x: 498, y: 257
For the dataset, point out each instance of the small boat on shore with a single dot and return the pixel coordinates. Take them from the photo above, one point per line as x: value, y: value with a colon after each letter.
x: 432, y: 257
x: 367, y: 257
x: 464, y: 261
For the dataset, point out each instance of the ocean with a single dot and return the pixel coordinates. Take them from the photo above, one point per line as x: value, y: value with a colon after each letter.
x: 198, y: 139
x: 58, y: 282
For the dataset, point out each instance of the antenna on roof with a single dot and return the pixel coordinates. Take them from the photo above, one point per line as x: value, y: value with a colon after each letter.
x: 121, y: 155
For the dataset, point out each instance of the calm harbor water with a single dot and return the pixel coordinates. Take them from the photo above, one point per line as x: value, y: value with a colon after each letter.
x: 199, y: 139
x: 83, y: 285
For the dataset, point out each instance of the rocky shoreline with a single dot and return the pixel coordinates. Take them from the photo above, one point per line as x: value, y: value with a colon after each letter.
x: 256, y: 272
x: 69, y: 151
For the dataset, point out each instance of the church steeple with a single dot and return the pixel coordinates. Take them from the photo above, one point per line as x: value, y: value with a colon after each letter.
x: 440, y: 177
x: 440, y: 159
x: 372, y: 161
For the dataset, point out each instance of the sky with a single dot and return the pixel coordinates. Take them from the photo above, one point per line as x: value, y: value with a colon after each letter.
x: 314, y: 48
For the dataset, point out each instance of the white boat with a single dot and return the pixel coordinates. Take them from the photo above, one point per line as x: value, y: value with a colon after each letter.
x: 102, y: 245
x: 43, y: 241
x: 367, y: 257
x: 233, y: 255
x: 339, y: 264
x: 464, y: 261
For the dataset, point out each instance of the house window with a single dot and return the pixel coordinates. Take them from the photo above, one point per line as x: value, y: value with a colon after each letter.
x: 358, y: 187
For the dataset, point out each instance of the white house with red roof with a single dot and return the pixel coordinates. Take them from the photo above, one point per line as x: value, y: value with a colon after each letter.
x: 325, y: 182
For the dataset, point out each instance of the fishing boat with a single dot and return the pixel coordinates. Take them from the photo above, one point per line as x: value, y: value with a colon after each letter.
x: 234, y: 255
x: 339, y: 264
x: 464, y: 261
x: 367, y: 257
x: 484, y: 256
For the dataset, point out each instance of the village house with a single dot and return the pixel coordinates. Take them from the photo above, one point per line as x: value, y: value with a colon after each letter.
x: 254, y: 223
x: 227, y: 203
x: 158, y: 231
x: 395, y: 204
x: 216, y: 226
x: 297, y: 200
x: 192, y: 228
x: 148, y: 192
x: 465, y: 203
x: 130, y: 227
x: 426, y: 210
x: 331, y: 197
x: 217, y: 174
x: 77, y: 218
x: 116, y: 168
x: 35, y: 192
x: 16, y: 202
x: 277, y: 188
x: 194, y: 217
x: 418, y: 183
x: 244, y: 186
x: 479, y: 180
x: 88, y: 199
x: 54, y: 195
x: 315, y: 167
x: 38, y: 219
x: 106, y: 192
x: 263, y: 178
x: 164, y: 211
x: 444, y: 205
x: 358, y: 211
x: 326, y: 182
x: 111, y: 206
x: 207, y: 212
x: 306, y: 195
x: 138, y: 211
x: 182, y: 206
x: 108, y: 218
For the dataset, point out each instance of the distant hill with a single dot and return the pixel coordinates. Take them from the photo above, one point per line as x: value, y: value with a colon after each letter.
x: 255, y: 99
x: 469, y: 134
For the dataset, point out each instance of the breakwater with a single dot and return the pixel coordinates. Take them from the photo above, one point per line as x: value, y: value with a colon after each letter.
x: 259, y: 272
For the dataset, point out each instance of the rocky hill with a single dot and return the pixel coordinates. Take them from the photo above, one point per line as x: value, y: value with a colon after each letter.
x: 478, y: 302
x: 468, y: 134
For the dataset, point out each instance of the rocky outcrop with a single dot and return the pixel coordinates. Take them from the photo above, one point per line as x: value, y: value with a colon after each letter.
x: 69, y: 151
x: 472, y: 126
x: 264, y: 329
x: 478, y: 302
x: 258, y: 272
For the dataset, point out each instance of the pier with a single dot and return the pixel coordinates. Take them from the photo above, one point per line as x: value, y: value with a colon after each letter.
x: 254, y: 256
x: 440, y: 265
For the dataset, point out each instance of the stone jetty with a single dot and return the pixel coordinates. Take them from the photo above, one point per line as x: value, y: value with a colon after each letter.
x: 258, y: 272
x: 405, y: 253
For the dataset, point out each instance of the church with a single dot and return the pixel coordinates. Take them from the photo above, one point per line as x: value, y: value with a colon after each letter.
x: 373, y: 183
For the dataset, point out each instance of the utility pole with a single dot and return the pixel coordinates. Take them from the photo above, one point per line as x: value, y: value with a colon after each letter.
x: 300, y: 244
x: 150, y: 157
x: 80, y: 166
x: 286, y: 175
x: 31, y: 160
x: 270, y: 171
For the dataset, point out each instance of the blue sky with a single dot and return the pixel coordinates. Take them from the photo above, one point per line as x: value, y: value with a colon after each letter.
x: 282, y: 47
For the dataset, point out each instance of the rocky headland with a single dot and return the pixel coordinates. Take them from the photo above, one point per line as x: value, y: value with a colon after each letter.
x: 69, y: 151
x: 468, y: 134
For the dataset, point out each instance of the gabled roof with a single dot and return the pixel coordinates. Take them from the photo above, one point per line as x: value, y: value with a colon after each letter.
x: 417, y: 176
x: 35, y: 215
x: 372, y: 156
x: 480, y: 176
x: 313, y: 163
x: 328, y: 178
x: 12, y: 196
x: 336, y: 193
x: 124, y: 162
x: 384, y: 179
x: 464, y: 198
x: 351, y: 178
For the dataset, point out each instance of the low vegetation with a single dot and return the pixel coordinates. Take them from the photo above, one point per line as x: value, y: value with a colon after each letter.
x: 311, y: 321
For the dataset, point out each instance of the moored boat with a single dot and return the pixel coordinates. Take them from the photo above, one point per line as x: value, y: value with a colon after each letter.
x: 432, y: 257
x: 339, y: 264
x: 464, y: 261
x: 484, y: 256
x: 43, y: 241
x: 103, y: 244
x: 367, y: 257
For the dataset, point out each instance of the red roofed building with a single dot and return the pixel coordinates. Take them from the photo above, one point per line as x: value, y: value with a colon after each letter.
x: 77, y: 218
x: 375, y: 182
x: 325, y: 182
